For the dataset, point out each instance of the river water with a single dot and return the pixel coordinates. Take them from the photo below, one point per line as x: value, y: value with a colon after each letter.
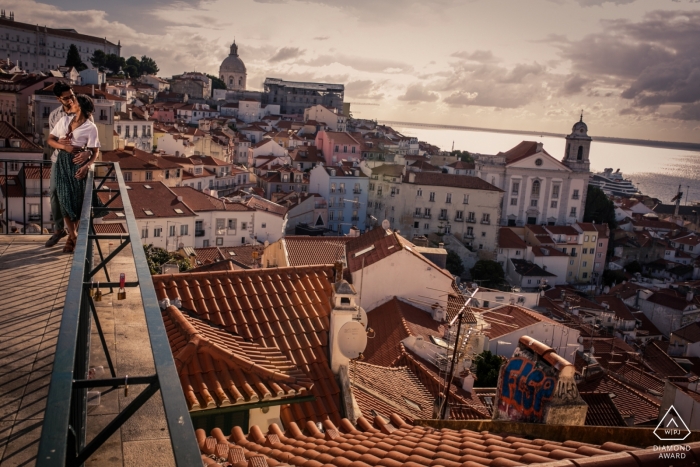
x: 656, y: 172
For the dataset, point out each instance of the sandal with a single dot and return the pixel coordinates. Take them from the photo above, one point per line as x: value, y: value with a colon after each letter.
x: 69, y: 246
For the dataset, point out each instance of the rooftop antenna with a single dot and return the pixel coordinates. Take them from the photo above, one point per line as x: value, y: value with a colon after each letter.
x: 581, y: 120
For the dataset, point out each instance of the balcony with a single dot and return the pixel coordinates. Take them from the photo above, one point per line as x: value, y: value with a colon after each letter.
x: 574, y: 254
x: 417, y: 214
x: 199, y: 233
x: 357, y: 191
x: 468, y: 235
x: 442, y: 218
x: 485, y: 221
x: 49, y: 381
x: 355, y: 218
x: 471, y: 220
x: 459, y: 219
x: 426, y: 216
x: 574, y: 196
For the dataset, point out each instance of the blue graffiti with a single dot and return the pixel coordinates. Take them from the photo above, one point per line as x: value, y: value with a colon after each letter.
x: 524, y: 390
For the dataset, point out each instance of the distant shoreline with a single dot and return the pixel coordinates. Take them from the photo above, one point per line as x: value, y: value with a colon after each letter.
x: 604, y: 139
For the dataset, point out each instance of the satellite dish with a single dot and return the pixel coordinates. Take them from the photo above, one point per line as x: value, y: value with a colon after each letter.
x: 363, y: 317
x: 266, y: 243
x: 385, y: 224
x: 352, y: 339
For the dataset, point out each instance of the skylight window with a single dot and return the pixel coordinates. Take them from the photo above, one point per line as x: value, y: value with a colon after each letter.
x: 121, y: 214
x: 412, y: 404
x: 148, y: 212
x: 179, y: 211
x: 366, y: 250
x: 232, y: 253
x: 148, y: 187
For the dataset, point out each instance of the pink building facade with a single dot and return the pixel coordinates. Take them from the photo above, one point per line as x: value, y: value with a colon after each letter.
x: 338, y: 145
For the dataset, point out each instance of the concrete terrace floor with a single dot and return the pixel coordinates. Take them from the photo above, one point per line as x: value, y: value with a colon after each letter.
x: 33, y: 282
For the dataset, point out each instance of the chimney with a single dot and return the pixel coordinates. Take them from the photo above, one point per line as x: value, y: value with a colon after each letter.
x: 130, y: 114
x: 689, y: 296
x: 441, y: 245
x: 468, y: 383
x: 539, y: 147
x: 412, y: 177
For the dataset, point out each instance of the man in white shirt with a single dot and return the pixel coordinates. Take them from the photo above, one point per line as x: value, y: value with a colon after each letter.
x: 64, y: 94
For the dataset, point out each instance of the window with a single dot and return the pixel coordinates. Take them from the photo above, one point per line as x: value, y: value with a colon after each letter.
x: 600, y: 255
x: 184, y: 230
x: 426, y: 226
x: 127, y: 176
x: 416, y: 225
x: 573, y: 212
x: 220, y: 226
x: 470, y: 231
x: 443, y: 214
x: 472, y: 217
x: 571, y: 262
x: 459, y: 215
x: 119, y: 129
x: 345, y: 149
x: 394, y: 191
x: 533, y: 203
x: 427, y: 212
x: 171, y: 231
x: 517, y: 252
x: 466, y: 199
x: 419, y: 193
x: 231, y: 226
x: 353, y: 149
x: 585, y: 275
x: 332, y: 187
x: 244, y: 225
x: 263, y: 225
x: 144, y: 233
x: 516, y: 188
x: 219, y: 241
x: 448, y: 198
x: 205, y: 243
x: 553, y: 205
x: 157, y: 231
x: 481, y: 246
x: 126, y: 131
x: 555, y: 192
x: 485, y: 218
x: 585, y: 263
x: 514, y: 201
x: 337, y: 148
x: 149, y: 175
x: 432, y: 196
x: 536, y: 188
x: 600, y: 245
x: 575, y: 195
x: 418, y: 211
x: 483, y: 234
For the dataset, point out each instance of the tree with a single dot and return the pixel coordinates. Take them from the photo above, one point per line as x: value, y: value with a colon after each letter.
x: 156, y: 257
x: 487, y: 367
x: 148, y: 66
x: 633, y: 267
x: 454, y: 263
x: 133, y: 67
x: 216, y: 83
x: 73, y: 59
x: 98, y: 59
x: 114, y: 62
x: 611, y: 277
x: 599, y: 208
x: 463, y: 156
x: 488, y: 273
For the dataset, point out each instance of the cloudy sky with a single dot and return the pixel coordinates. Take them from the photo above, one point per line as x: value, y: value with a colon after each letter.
x: 633, y: 66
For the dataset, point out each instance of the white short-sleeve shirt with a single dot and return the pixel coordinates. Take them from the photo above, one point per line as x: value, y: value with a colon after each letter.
x: 83, y: 136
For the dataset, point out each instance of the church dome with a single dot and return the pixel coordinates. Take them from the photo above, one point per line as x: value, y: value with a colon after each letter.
x: 232, y: 63
x: 579, y: 127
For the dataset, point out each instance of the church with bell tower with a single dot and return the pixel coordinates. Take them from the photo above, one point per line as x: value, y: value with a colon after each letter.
x: 540, y: 189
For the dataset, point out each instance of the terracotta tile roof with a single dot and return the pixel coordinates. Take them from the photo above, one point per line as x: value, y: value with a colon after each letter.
x: 666, y: 298
x: 109, y: 228
x: 425, y: 166
x: 647, y: 326
x: 450, y: 180
x: 606, y: 345
x: 656, y: 359
x: 220, y: 369
x: 158, y: 199
x: 509, y: 239
x: 10, y: 186
x: 635, y: 375
x: 243, y: 255
x: 211, y: 254
x: 388, y: 390
x: 601, y: 410
x: 562, y: 230
x: 261, y: 204
x: 395, y: 443
x: 526, y: 268
x: 306, y: 251
x: 284, y: 308
x: 32, y: 172
x: 8, y: 131
x: 521, y: 151
x: 689, y: 333
x: 628, y: 400
x: 462, y: 165
x: 366, y: 239
x: 198, y: 201
x: 509, y: 318
x: 341, y: 137
x: 616, y: 305
x: 625, y: 290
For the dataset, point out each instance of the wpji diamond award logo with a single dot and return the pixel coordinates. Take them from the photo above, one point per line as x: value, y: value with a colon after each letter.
x: 672, y: 428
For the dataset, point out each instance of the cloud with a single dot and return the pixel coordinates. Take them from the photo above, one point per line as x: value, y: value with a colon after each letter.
x: 364, y: 89
x: 482, y: 56
x: 370, y: 65
x: 419, y: 93
x: 573, y: 85
x: 321, y: 38
x: 586, y: 3
x: 286, y: 53
x: 688, y: 112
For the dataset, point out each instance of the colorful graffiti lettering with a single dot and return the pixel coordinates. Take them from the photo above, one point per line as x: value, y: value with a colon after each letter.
x: 524, y: 391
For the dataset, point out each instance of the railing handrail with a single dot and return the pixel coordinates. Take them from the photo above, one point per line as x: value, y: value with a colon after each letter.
x: 66, y: 400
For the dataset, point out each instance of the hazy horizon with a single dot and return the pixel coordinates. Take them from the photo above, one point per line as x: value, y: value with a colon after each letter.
x: 630, y: 65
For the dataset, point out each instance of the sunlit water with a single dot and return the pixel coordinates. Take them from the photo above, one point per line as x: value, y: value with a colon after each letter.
x: 656, y: 172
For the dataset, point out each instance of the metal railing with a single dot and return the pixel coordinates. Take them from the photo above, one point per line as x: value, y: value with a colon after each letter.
x: 15, y: 187
x: 63, y: 436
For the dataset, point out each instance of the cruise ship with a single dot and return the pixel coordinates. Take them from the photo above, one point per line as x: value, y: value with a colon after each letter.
x: 613, y: 183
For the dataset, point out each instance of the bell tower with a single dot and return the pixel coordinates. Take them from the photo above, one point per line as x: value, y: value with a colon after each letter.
x: 578, y: 147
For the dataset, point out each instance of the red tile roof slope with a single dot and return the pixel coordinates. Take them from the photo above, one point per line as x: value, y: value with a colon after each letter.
x: 509, y: 318
x: 656, y: 359
x: 210, y: 254
x: 199, y: 201
x: 220, y: 369
x: 450, y: 180
x: 509, y: 239
x: 601, y: 410
x: 110, y: 228
x: 303, y: 250
x: 628, y: 400
x: 283, y: 308
x: 158, y: 199
x: 617, y: 306
x: 635, y: 375
x: 395, y: 443
x: 689, y: 333
x: 387, y: 390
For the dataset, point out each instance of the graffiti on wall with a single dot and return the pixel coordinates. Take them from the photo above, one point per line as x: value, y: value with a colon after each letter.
x: 525, y: 390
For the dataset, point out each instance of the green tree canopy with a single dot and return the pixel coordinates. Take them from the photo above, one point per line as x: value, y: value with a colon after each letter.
x: 488, y: 273
x: 463, y: 156
x: 113, y: 62
x: 454, y: 263
x: 487, y: 367
x: 98, y: 59
x: 216, y: 83
x: 599, y: 208
x: 73, y: 59
x: 148, y: 66
x: 156, y: 257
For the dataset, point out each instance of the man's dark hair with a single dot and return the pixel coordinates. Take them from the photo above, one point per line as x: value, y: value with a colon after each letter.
x: 59, y: 88
x: 86, y: 106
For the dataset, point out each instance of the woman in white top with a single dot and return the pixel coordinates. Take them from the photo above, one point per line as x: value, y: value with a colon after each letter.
x: 73, y: 133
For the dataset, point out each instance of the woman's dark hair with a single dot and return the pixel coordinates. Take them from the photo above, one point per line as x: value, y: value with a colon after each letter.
x: 86, y: 106
x: 59, y: 88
